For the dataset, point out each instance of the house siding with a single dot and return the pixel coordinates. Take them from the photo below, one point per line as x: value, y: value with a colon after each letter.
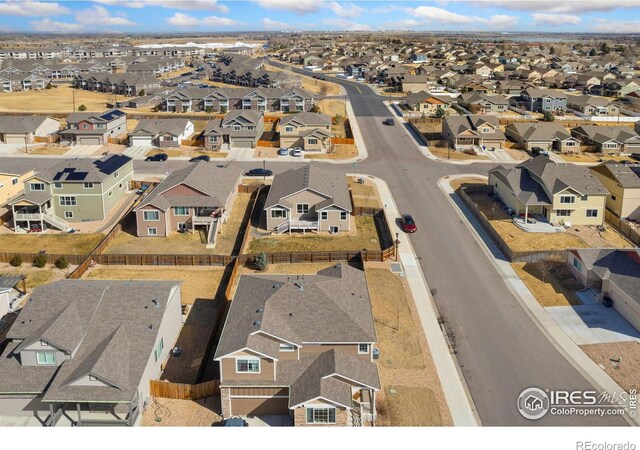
x: 228, y: 368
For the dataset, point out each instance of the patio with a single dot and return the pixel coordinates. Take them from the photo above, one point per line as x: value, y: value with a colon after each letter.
x: 536, y: 224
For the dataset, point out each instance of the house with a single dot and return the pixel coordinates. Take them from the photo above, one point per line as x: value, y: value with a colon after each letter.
x: 472, y: 130
x: 94, y: 128
x: 608, y: 139
x: 84, y: 351
x: 300, y: 345
x: 561, y: 193
x: 23, y: 129
x: 593, y: 106
x: 307, y: 130
x: 9, y: 293
x: 616, y: 88
x: 546, y: 135
x: 481, y: 103
x: 240, y: 128
x: 161, y: 132
x: 425, y: 103
x: 308, y: 198
x: 614, y: 274
x: 623, y: 183
x: 543, y: 100
x: 12, y: 177
x: 72, y: 191
x: 199, y: 195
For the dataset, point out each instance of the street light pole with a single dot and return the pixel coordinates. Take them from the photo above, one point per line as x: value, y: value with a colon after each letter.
x: 397, y: 242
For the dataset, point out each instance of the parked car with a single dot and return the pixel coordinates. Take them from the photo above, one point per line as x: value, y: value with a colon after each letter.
x: 539, y: 151
x: 408, y: 224
x: 200, y: 158
x: 635, y: 156
x: 283, y: 152
x: 389, y: 121
x: 157, y: 157
x: 297, y: 152
x: 259, y: 173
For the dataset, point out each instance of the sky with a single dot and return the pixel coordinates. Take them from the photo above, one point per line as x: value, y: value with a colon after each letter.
x: 184, y: 16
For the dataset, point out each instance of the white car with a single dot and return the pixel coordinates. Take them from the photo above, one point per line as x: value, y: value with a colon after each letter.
x: 297, y: 152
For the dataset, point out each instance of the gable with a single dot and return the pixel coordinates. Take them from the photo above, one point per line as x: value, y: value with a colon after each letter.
x: 182, y: 189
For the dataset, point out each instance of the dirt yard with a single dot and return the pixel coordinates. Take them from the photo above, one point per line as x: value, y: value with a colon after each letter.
x: 35, y: 276
x: 165, y: 412
x: 59, y: 99
x: 56, y: 243
x: 48, y: 150
x: 364, y: 195
x: 443, y: 153
x: 339, y: 151
x: 412, y: 394
x: 551, y: 283
x: 610, y: 238
x: 586, y: 157
x: 621, y: 361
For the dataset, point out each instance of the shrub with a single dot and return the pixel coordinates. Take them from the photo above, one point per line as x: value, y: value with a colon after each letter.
x: 142, y: 93
x: 208, y: 109
x: 82, y: 108
x: 314, y: 109
x: 62, y: 263
x: 548, y: 117
x: 49, y: 86
x: 262, y: 261
x: 16, y: 261
x: 439, y: 112
x: 40, y: 261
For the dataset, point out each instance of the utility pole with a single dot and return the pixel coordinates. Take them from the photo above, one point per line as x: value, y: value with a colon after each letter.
x: 26, y: 149
x: 74, y: 100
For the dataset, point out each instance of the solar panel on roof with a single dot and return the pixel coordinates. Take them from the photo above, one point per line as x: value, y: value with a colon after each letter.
x: 111, y: 164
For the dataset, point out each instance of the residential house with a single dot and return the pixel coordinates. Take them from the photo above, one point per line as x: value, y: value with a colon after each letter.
x: 593, y: 106
x: 543, y: 100
x: 473, y: 130
x: 199, y: 195
x: 608, y: 139
x: 425, y: 103
x: 307, y: 130
x: 94, y: 128
x: 83, y: 351
x: 308, y: 198
x: 72, y: 191
x: 560, y: 193
x: 300, y: 345
x: 23, y: 129
x: 240, y: 128
x: 613, y: 274
x: 12, y: 177
x: 545, y: 135
x: 481, y: 103
x: 161, y: 132
x: 623, y: 183
x: 616, y: 88
x: 10, y: 295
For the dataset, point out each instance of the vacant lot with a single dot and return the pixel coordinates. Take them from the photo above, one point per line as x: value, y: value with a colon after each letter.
x: 60, y: 243
x: 333, y: 107
x: 621, y: 361
x: 309, y: 83
x: 57, y: 99
x: 339, y: 151
x: 197, y: 282
x: 48, y: 150
x: 551, y: 283
x: 443, y: 153
x: 165, y: 412
x: 366, y: 237
x: 35, y: 276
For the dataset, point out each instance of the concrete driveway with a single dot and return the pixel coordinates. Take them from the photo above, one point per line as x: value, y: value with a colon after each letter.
x: 83, y: 150
x: 138, y: 151
x: 593, y: 324
x: 268, y: 421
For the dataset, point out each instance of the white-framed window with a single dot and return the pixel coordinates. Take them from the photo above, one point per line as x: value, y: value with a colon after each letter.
x: 88, y: 185
x: 567, y: 199
x: 152, y: 231
x: 592, y: 213
x: 563, y: 212
x: 180, y: 210
x: 278, y: 213
x: 312, y: 141
x: 577, y: 264
x: 158, y: 350
x: 46, y: 358
x: 363, y: 349
x: 288, y: 129
x: 324, y: 215
x: 116, y: 174
x: 68, y: 200
x: 57, y: 185
x: 302, y: 208
x: 247, y: 365
x: 343, y: 215
x: 321, y: 415
x: 14, y: 181
x: 237, y: 127
x: 286, y: 348
x: 68, y: 214
x: 151, y: 216
x: 36, y: 186
x: 569, y: 144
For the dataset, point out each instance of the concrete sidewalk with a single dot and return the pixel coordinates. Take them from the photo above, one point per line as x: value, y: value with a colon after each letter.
x: 543, y: 320
x: 456, y: 393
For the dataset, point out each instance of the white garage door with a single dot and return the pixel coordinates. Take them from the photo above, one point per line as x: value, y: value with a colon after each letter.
x: 243, y: 144
x: 88, y: 140
x: 13, y: 139
x: 141, y: 140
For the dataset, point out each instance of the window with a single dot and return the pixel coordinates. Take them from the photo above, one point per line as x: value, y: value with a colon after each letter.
x: 363, y: 349
x: 286, y: 348
x: 68, y: 214
x: 288, y: 129
x: 14, y: 181
x: 577, y: 264
x: 613, y: 197
x: 181, y: 211
x: 92, y: 378
x: 87, y: 185
x: 36, y: 186
x: 584, y: 198
x: 116, y: 174
x: 343, y: 215
x: 57, y: 185
x: 46, y: 358
x: 567, y: 199
x: 569, y: 144
x: 324, y: 215
x: 237, y: 127
x: 312, y: 141
x: 302, y: 208
x: 152, y: 231
x: 563, y: 212
x: 151, y: 216
x: 247, y: 365
x: 278, y: 213
x: 68, y: 200
x: 158, y: 351
x: 592, y: 213
x: 321, y: 415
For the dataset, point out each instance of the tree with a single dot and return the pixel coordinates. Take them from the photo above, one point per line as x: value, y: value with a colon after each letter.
x: 49, y: 86
x: 440, y: 112
x: 40, y: 260
x: 548, y: 116
x: 16, y: 261
x: 593, y: 52
x: 62, y: 263
x: 82, y: 108
x: 552, y: 51
x: 323, y: 90
x: 262, y: 261
x: 604, y: 48
x: 142, y: 93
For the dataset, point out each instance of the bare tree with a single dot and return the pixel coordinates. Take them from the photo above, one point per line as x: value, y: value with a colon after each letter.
x: 323, y: 90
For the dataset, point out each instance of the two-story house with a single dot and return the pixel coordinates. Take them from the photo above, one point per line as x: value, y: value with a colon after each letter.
x: 543, y: 100
x: 608, y: 139
x: 481, y: 103
x: 307, y: 130
x: 161, y: 132
x: 593, y: 106
x: 199, y: 195
x: 300, y: 345
x: 544, y: 135
x: 623, y: 183
x: 94, y: 128
x: 473, y: 130
x: 82, y: 352
x: 240, y: 128
x: 308, y: 198
x: 72, y: 191
x: 561, y: 193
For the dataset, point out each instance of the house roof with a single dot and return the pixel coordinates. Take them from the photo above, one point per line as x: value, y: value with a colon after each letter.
x: 307, y: 119
x: 93, y: 117
x: 471, y: 122
x: 84, y: 169
x: 21, y: 124
x: 523, y: 186
x: 536, y: 132
x: 627, y: 175
x: 154, y: 127
x: 602, y: 134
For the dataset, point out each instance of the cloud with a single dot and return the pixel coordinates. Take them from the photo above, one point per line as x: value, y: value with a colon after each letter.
x: 193, y: 5
x: 296, y: 6
x: 555, y: 20
x: 346, y: 10
x: 344, y: 24
x: 616, y: 26
x: 402, y: 24
x: 51, y: 26
x: 271, y: 24
x: 385, y: 9
x: 439, y: 15
x: 99, y: 15
x: 554, y: 6
x: 31, y: 9
x: 185, y: 20
x: 499, y: 21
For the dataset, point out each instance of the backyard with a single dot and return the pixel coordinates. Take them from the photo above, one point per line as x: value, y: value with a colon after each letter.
x: 56, y: 243
x: 165, y: 412
x: 550, y: 282
x: 364, y: 195
x: 35, y: 276
x: 59, y: 99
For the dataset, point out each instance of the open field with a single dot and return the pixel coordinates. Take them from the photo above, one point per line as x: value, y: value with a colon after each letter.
x: 57, y: 99
x: 197, y: 282
x: 443, y: 153
x: 340, y: 151
x: 59, y: 243
x: 557, y: 287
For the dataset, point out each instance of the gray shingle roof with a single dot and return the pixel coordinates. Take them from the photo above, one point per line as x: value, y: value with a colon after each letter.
x: 556, y: 177
x: 471, y: 122
x: 153, y: 127
x: 627, y: 175
x: 539, y: 131
x: 20, y: 124
x: 307, y: 119
x: 84, y: 169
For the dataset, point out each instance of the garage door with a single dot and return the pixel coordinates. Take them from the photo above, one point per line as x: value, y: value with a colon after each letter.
x: 259, y: 406
x: 243, y: 144
x: 13, y: 139
x: 86, y: 140
x: 141, y: 140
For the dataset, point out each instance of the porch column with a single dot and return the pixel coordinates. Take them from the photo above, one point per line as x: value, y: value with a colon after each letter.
x: 526, y: 213
x: 79, y: 414
x: 41, y: 221
x: 13, y: 215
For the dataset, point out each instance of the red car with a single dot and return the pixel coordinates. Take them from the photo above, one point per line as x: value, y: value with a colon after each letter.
x: 408, y: 224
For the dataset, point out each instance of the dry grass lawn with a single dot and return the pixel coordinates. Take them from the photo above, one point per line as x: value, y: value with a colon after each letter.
x: 48, y: 150
x: 35, y: 276
x: 333, y: 107
x: 364, y: 195
x: 405, y: 406
x: 340, y: 151
x: 587, y: 157
x: 442, y: 152
x: 558, y: 288
x: 60, y: 243
x: 236, y: 225
x: 197, y: 282
x: 458, y: 182
x: 626, y: 372
x: 165, y: 412
x: 57, y: 99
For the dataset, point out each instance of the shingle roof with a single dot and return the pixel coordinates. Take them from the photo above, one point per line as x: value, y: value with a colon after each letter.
x: 556, y: 177
x: 539, y: 131
x: 84, y: 169
x: 308, y: 119
x: 153, y: 127
x: 627, y: 175
x: 20, y: 124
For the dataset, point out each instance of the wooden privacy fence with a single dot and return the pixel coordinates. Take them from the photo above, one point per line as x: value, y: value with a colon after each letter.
x: 108, y: 259
x: 47, y: 139
x: 51, y: 257
x: 273, y: 144
x: 338, y: 140
x: 180, y: 391
x: 624, y: 227
x: 326, y: 256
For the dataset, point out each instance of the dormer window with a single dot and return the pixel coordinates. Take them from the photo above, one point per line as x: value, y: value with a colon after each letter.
x: 46, y: 358
x: 287, y: 348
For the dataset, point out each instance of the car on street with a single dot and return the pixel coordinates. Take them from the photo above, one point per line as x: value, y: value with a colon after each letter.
x: 157, y: 157
x: 259, y: 173
x: 283, y: 152
x: 297, y: 152
x: 200, y: 158
x: 635, y: 156
x: 408, y: 224
x: 389, y: 121
x: 539, y: 151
